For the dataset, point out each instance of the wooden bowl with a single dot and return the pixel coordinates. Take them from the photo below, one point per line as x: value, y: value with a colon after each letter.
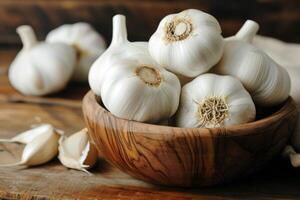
x: 187, y: 156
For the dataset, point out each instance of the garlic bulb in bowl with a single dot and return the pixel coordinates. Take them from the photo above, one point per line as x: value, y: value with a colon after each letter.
x: 88, y: 43
x: 188, y: 43
x: 267, y: 82
x: 135, y: 89
x: 41, y: 68
x: 214, y: 101
x: 119, y: 47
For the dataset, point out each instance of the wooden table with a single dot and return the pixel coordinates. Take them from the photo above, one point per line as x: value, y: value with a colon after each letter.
x: 52, y: 180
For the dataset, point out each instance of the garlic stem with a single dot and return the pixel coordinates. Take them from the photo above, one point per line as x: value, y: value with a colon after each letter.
x: 27, y: 36
x: 248, y: 31
x: 119, y: 30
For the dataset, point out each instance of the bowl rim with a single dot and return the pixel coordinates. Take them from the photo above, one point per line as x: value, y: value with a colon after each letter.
x: 287, y: 108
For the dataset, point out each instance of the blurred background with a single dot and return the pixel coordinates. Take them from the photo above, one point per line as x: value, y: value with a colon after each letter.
x: 277, y: 18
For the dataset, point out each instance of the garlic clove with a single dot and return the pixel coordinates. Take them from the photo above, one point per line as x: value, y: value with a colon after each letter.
x: 187, y: 43
x: 77, y: 152
x: 214, y: 101
x: 41, y: 68
x: 39, y: 149
x: 87, y: 42
x: 29, y: 135
x: 290, y: 153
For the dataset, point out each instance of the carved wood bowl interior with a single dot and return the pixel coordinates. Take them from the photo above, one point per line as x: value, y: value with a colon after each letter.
x: 188, y: 157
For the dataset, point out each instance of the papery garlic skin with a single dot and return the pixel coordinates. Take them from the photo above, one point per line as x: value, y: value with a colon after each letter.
x: 29, y: 135
x: 77, y: 152
x: 120, y: 47
x: 88, y: 43
x: 41, y: 150
x: 188, y: 43
x: 41, y: 68
x: 268, y: 83
x: 41, y: 145
x: 214, y: 101
x: 134, y: 89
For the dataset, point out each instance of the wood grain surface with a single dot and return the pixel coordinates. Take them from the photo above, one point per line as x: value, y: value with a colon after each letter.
x: 53, y: 181
x: 279, y: 19
x: 188, y: 156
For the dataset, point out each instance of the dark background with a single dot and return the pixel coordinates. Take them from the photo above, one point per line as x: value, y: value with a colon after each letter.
x: 280, y: 19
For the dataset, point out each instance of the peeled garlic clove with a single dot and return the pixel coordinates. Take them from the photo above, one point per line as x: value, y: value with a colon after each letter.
x: 268, y: 83
x: 88, y: 43
x: 135, y: 89
x: 29, y: 135
x: 188, y: 43
x: 40, y: 149
x: 214, y: 101
x: 41, y: 68
x: 77, y: 152
x: 120, y: 47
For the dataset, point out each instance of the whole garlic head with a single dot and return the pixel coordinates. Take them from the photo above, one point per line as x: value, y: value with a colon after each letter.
x: 120, y: 47
x: 214, y: 101
x: 188, y: 43
x: 268, y: 83
x: 88, y: 43
x: 135, y: 89
x: 41, y: 68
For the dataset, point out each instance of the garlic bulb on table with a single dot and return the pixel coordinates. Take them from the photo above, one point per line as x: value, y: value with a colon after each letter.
x: 214, y: 101
x: 267, y: 82
x: 41, y: 68
x: 119, y: 47
x: 188, y: 43
x: 135, y: 89
x: 88, y: 43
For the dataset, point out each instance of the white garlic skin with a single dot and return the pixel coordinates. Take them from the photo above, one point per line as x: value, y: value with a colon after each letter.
x: 41, y: 145
x: 41, y: 68
x: 120, y: 47
x: 191, y: 55
x: 268, y: 83
x: 287, y: 55
x: 133, y: 91
x: 41, y: 150
x: 241, y: 108
x: 77, y: 152
x: 88, y: 43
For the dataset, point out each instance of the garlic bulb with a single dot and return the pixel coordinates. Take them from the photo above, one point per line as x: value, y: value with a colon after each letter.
x: 77, y: 152
x: 287, y: 55
x: 188, y: 43
x: 135, y: 89
x: 120, y: 47
x: 214, y: 101
x: 88, y: 43
x: 41, y: 68
x: 41, y: 146
x: 267, y: 82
